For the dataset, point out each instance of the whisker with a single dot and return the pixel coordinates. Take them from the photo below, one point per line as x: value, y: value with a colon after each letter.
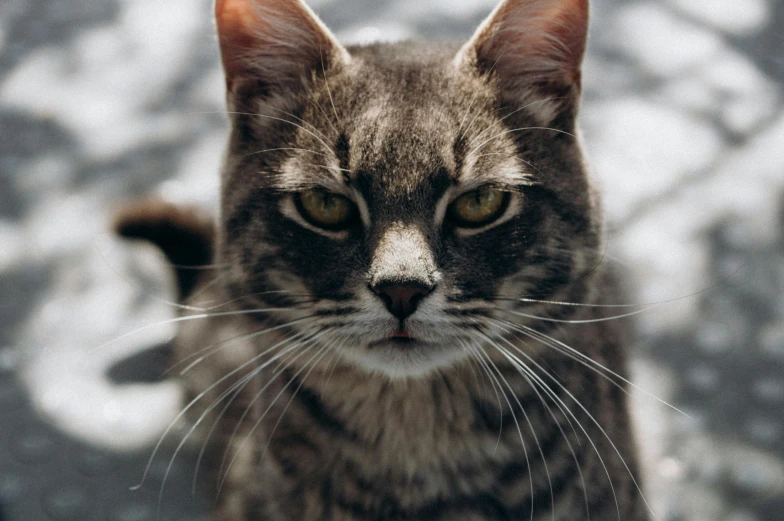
x: 598, y: 425
x: 325, y: 349
x: 468, y: 111
x: 197, y: 399
x: 257, y: 294
x: 231, y: 392
x: 138, y: 287
x: 328, y: 167
x: 176, y: 320
x: 630, y: 305
x: 522, y: 366
x: 310, y: 342
x: 198, y: 291
x: 474, y: 351
x: 321, y: 351
x: 473, y: 98
x: 584, y: 360
x: 324, y: 113
x: 495, y: 123
x: 583, y: 321
x: 574, y: 304
x: 474, y: 370
x: 333, y: 362
x: 217, y: 346
x: 488, y: 362
x: 286, y: 148
x: 537, y: 382
x: 318, y: 138
x: 329, y: 92
x: 505, y: 132
x: 236, y: 389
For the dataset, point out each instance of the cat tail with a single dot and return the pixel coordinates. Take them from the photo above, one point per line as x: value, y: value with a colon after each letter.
x: 183, y: 233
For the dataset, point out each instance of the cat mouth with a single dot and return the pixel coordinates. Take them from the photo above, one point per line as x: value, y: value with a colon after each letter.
x: 402, y: 341
x: 400, y: 338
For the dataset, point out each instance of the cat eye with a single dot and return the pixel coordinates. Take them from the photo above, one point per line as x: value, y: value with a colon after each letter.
x: 325, y: 209
x: 478, y: 207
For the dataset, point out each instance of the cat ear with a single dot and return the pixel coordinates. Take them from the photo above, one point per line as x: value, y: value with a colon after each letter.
x: 276, y: 42
x: 531, y: 44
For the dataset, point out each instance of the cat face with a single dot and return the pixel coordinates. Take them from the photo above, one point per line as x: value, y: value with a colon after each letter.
x: 395, y: 201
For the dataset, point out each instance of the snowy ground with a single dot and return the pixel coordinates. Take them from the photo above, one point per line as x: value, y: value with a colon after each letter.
x: 684, y: 119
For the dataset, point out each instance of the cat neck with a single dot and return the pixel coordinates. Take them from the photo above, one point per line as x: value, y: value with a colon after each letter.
x: 472, y: 412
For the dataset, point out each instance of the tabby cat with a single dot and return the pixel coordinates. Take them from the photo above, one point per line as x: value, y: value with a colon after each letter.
x: 406, y: 314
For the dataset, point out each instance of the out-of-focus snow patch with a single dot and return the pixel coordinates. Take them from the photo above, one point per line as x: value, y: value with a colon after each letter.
x: 653, y: 389
x: 602, y: 78
x: 747, y: 96
x: 320, y: 5
x: 13, y: 241
x: 668, y: 264
x: 666, y: 248
x: 713, y: 460
x: 81, y: 401
x: 637, y: 147
x: 97, y: 315
x: 62, y: 225
x: 729, y: 15
x: 461, y: 9
x: 691, y: 92
x: 198, y: 178
x: 98, y: 84
x: 50, y: 170
x: 747, y: 185
x: 728, y: 87
x: 210, y: 91
x: 664, y: 44
x: 383, y: 32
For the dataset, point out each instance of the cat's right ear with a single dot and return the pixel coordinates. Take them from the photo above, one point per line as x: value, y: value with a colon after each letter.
x: 277, y: 43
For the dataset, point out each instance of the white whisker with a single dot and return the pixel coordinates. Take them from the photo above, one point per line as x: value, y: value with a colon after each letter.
x: 198, y: 398
x: 176, y: 320
x: 236, y: 389
x: 601, y: 429
x: 489, y: 363
x: 217, y: 346
x: 585, y: 360
x: 585, y: 321
x: 322, y: 350
x: 505, y: 132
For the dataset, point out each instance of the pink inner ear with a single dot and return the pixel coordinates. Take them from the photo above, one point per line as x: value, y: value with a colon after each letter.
x: 535, y: 37
x: 277, y: 41
x: 237, y: 24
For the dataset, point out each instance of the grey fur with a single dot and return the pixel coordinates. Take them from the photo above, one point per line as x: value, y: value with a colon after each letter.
x: 343, y: 423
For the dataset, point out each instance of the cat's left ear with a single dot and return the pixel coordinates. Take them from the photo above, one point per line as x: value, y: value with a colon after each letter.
x: 534, y: 48
x: 278, y: 43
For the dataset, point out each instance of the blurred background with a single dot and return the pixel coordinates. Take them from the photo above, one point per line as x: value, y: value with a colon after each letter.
x: 103, y: 100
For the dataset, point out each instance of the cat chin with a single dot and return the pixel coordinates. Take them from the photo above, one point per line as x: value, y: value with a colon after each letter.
x: 399, y: 362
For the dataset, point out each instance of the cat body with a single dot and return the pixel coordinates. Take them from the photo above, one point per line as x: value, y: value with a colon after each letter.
x: 408, y: 308
x: 325, y: 442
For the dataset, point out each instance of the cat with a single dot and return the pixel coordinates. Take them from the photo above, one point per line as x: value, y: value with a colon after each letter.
x: 403, y: 310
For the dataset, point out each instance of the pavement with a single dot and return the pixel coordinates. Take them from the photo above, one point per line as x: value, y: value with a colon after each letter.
x: 102, y: 100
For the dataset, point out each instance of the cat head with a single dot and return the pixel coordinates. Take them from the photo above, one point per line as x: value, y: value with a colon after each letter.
x: 396, y: 201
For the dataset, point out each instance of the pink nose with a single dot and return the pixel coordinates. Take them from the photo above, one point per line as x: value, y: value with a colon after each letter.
x: 401, y: 299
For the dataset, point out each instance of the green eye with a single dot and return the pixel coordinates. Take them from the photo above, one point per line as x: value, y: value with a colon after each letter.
x: 325, y: 209
x: 479, y: 207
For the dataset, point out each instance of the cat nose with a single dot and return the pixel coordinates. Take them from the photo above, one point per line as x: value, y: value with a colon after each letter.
x: 402, y: 298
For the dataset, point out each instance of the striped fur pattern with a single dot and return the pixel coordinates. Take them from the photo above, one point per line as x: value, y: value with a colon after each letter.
x: 506, y: 400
